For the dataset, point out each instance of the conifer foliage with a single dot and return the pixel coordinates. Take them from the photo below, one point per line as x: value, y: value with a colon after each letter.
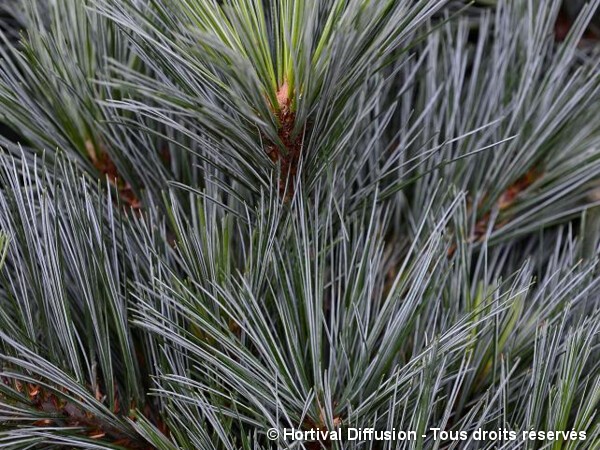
x: 219, y: 218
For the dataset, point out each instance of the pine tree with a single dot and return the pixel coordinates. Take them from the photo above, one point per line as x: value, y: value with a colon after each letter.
x: 222, y: 220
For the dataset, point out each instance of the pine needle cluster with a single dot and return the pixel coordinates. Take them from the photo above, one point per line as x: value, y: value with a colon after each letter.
x: 220, y: 218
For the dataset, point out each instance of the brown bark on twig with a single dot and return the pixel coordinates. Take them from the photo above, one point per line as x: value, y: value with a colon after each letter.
x: 106, y: 166
x: 310, y: 424
x: 505, y: 201
x: 288, y: 156
x: 59, y: 411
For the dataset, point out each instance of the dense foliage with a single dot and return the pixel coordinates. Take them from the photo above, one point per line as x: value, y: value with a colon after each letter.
x: 218, y: 218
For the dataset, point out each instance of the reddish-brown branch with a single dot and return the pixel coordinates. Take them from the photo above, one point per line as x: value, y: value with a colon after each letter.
x: 504, y: 202
x: 289, y: 156
x: 310, y: 424
x: 62, y: 412
x: 106, y: 166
